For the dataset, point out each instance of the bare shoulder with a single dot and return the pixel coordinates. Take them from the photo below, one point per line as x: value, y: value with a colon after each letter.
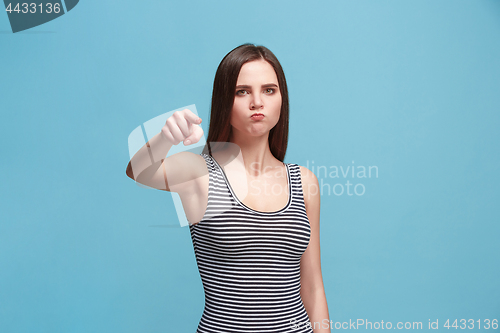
x: 307, y: 176
x: 310, y: 186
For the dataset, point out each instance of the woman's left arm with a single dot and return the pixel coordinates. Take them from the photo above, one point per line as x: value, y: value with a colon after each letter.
x: 312, y: 290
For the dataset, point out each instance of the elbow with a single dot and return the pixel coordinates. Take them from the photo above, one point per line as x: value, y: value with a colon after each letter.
x: 129, y: 172
x: 312, y: 288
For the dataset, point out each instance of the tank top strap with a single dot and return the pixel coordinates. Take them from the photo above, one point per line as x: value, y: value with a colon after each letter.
x: 217, y: 184
x: 211, y: 169
x: 219, y: 197
x: 296, y: 181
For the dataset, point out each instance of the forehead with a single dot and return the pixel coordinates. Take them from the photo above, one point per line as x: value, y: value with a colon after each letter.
x: 257, y: 72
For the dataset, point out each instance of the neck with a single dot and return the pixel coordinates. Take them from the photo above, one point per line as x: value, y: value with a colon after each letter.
x: 255, y: 151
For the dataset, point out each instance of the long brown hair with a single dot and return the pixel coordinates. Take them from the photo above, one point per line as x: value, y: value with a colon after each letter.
x: 223, y: 98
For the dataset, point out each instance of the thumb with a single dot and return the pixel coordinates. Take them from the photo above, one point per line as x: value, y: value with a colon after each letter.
x: 195, y: 135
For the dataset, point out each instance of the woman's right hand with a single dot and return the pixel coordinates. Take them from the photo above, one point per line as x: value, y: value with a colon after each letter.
x: 182, y: 126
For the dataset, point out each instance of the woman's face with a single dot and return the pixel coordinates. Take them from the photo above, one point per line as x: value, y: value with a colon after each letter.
x: 257, y: 91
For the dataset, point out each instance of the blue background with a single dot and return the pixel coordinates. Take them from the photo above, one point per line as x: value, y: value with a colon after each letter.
x: 412, y: 87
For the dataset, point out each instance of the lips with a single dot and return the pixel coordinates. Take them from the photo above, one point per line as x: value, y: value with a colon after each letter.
x: 257, y: 116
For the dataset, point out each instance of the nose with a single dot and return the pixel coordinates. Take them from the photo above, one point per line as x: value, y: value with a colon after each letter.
x: 256, y: 102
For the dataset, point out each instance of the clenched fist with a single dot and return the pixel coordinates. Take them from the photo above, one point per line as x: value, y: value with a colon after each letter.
x: 183, y: 126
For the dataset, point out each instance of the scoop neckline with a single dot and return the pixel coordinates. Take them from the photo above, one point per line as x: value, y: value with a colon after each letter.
x: 251, y: 209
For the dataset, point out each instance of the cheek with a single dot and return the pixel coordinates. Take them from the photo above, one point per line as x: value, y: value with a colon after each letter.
x: 240, y: 106
x: 276, y: 99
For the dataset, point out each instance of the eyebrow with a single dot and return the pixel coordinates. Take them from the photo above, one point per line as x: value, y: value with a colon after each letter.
x: 263, y: 86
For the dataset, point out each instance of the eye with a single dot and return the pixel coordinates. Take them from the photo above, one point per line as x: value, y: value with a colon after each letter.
x: 241, y: 92
x: 270, y: 90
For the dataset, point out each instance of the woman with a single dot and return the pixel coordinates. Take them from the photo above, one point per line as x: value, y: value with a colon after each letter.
x: 254, y: 220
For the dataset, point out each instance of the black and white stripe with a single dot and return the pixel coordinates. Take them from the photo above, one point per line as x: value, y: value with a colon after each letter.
x: 249, y: 261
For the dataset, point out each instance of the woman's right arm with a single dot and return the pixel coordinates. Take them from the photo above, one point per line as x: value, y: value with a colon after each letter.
x: 149, y: 165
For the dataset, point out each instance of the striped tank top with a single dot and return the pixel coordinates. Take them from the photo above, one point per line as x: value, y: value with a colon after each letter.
x: 249, y: 261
